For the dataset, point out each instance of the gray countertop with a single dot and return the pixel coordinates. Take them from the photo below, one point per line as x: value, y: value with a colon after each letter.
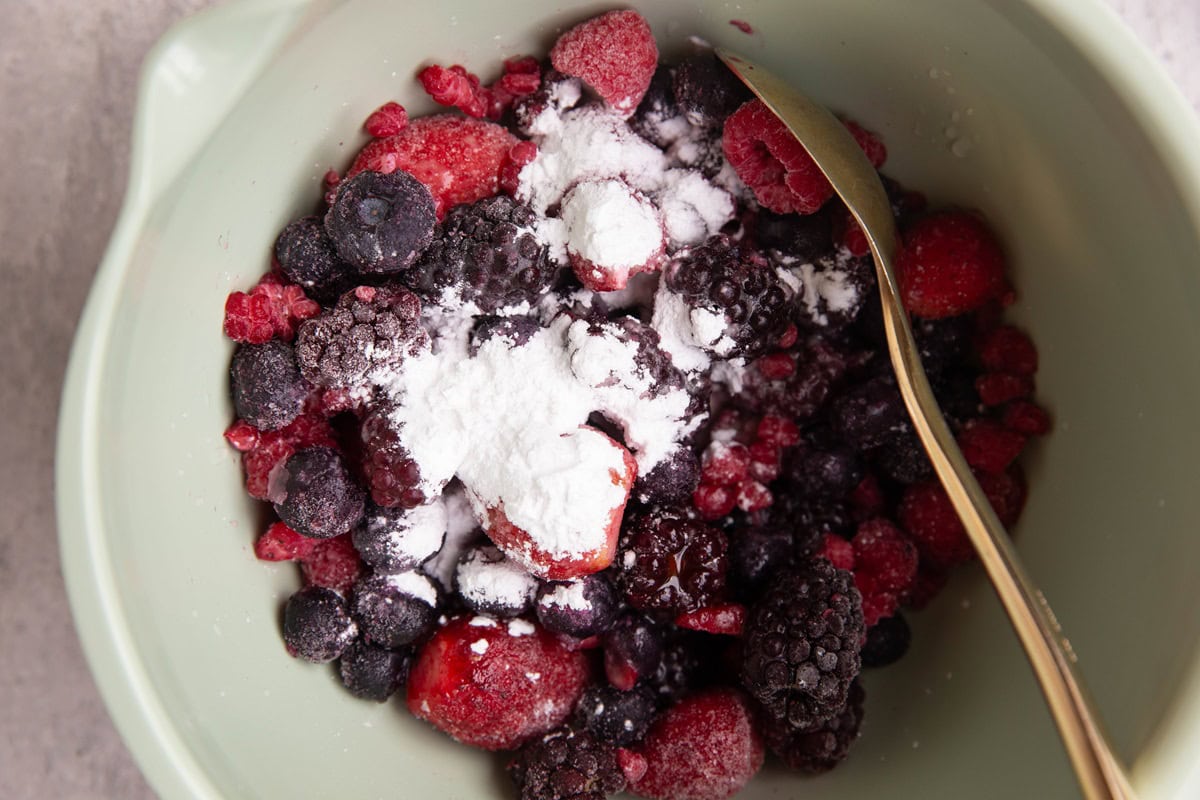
x: 68, y: 72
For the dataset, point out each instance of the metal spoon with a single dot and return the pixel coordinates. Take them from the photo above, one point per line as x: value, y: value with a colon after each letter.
x: 1100, y: 773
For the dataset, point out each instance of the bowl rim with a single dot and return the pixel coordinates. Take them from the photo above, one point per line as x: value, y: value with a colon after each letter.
x: 1166, y: 767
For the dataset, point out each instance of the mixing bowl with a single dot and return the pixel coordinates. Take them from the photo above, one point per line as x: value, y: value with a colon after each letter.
x: 1045, y: 114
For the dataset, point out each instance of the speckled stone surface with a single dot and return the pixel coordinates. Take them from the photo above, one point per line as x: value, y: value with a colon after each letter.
x: 68, y: 74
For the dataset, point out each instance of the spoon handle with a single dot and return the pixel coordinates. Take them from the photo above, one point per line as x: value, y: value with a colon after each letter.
x: 1100, y: 773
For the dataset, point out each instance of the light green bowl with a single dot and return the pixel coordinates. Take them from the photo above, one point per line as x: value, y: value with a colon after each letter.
x: 1043, y: 113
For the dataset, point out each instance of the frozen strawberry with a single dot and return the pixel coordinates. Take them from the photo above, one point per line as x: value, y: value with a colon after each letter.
x: 458, y: 158
x: 281, y: 543
x: 613, y: 53
x: 494, y: 684
x: 613, y: 232
x: 950, y: 264
x: 704, y: 748
x: 724, y: 618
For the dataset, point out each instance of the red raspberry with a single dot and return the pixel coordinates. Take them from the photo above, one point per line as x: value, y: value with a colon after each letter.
x: 929, y: 583
x: 769, y: 159
x: 455, y: 87
x: 274, y: 447
x: 950, y: 264
x: 837, y: 551
x: 458, y: 158
x: 387, y: 120
x: 519, y: 155
x: 714, y: 501
x: 753, y: 496
x: 848, y: 234
x: 613, y: 53
x: 522, y: 76
x: 990, y: 446
x: 242, y: 436
x: 281, y: 543
x: 872, y: 146
x: 495, y: 686
x: 1007, y: 349
x: 789, y: 336
x: 726, y: 619
x: 704, y: 748
x: 766, y: 460
x: 777, y: 431
x: 1025, y: 417
x: 273, y: 308
x: 867, y: 498
x: 877, y: 605
x: 928, y: 517
x: 997, y: 388
x: 725, y: 464
x: 633, y: 765
x: 777, y: 366
x: 885, y: 566
x: 332, y: 563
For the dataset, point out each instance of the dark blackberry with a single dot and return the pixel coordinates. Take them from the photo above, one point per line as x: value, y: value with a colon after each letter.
x: 567, y: 765
x: 706, y: 91
x: 902, y: 458
x: 380, y: 223
x: 316, y: 625
x: 581, y: 608
x: 485, y: 253
x: 372, y: 672
x: 657, y: 107
x: 614, y: 716
x: 832, y: 470
x: 887, y: 641
x: 368, y: 329
x: 670, y: 481
x: 654, y: 372
x: 394, y: 610
x: 822, y: 747
x: 809, y: 516
x: 633, y: 650
x: 671, y: 563
x: 268, y: 390
x: 743, y: 287
x: 394, y: 540
x: 756, y: 552
x: 492, y: 584
x: 392, y: 476
x: 516, y: 331
x: 804, y: 237
x: 315, y: 494
x: 870, y: 413
x: 800, y: 646
x: 308, y: 257
x: 945, y: 345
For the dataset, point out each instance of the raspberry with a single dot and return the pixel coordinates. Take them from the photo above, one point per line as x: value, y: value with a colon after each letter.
x: 998, y: 388
x: 267, y: 387
x: 581, y: 608
x: 315, y: 494
x: 273, y: 447
x: 394, y: 610
x: 887, y: 642
x: 495, y: 686
x: 369, y: 329
x: 726, y: 619
x: 704, y: 748
x: 307, y: 256
x: 458, y: 158
x: 872, y: 146
x: 769, y: 159
x: 753, y: 496
x: 929, y: 518
x: 950, y: 264
x: 485, y: 253
x: 613, y: 233
x: 519, y: 155
x: 567, y: 765
x: 272, y: 309
x: 380, y: 223
x: 456, y: 87
x: 615, y: 716
x: 493, y: 585
x: 706, y: 91
x: 822, y: 747
x: 613, y: 53
x: 316, y: 625
x: 371, y: 672
x: 777, y: 366
x: 1007, y: 349
x: 332, y: 563
x: 387, y: 120
x: 281, y: 543
x: 837, y: 551
x: 885, y: 566
x: 398, y: 540
x: 778, y: 431
x: 716, y: 278
x: 725, y: 464
x: 671, y: 563
x: 822, y: 366
x: 801, y: 644
x: 990, y: 446
x: 1025, y: 417
x: 392, y: 476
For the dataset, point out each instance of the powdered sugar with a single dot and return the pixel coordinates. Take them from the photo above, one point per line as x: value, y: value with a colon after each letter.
x: 486, y: 578
x: 568, y: 595
x: 689, y: 334
x: 820, y: 288
x: 520, y: 627
x: 479, y: 646
x: 610, y: 226
x: 414, y: 584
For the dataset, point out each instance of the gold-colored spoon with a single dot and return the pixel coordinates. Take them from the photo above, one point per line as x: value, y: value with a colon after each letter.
x: 1100, y: 773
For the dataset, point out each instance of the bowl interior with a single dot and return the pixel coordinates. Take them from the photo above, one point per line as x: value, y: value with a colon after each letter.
x: 982, y: 104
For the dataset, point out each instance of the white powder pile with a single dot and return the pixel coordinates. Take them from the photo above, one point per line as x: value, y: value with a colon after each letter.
x: 611, y: 227
x: 567, y: 595
x: 461, y: 529
x: 417, y: 534
x: 821, y: 288
x: 414, y: 584
x: 689, y: 334
x: 487, y: 578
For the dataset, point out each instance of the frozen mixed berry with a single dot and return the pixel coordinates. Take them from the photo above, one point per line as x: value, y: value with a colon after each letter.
x: 832, y: 289
x: 804, y: 237
x: 869, y: 414
x: 823, y: 468
x: 822, y: 747
x: 556, y: 92
x: 901, y: 457
x: 657, y: 116
x: 1008, y: 349
x: 704, y: 748
x: 271, y: 310
x: 756, y: 552
x: 332, y: 563
x: 801, y: 643
x: 616, y: 716
x: 316, y: 625
x: 495, y: 685
x: 567, y: 764
x: 885, y: 566
x: 380, y: 223
x: 395, y: 540
x: 887, y: 641
x: 485, y: 253
x: 722, y: 619
x: 706, y: 91
x: 387, y: 120
x: 613, y: 232
x: 613, y: 53
x: 742, y: 288
x: 1025, y: 417
x: 950, y: 264
x: 370, y: 329
x: 308, y: 257
x: 686, y: 665
x: 371, y: 672
x: 393, y: 478
x: 262, y: 451
x: 671, y: 481
x: 633, y: 650
x: 928, y: 517
x: 491, y: 583
x: 989, y: 446
x: 268, y: 389
x: 671, y: 563
x: 394, y: 610
x: 809, y: 516
x: 315, y: 494
x: 580, y: 608
x: 280, y: 543
x: 516, y: 331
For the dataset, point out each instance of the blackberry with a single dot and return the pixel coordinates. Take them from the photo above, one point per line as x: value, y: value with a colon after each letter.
x: 492, y: 584
x: 834, y: 288
x: 822, y: 747
x: 394, y: 540
x: 580, y: 608
x: 808, y: 516
x: 869, y: 414
x: 380, y: 223
x: 316, y: 625
x: 485, y: 253
x: 887, y: 641
x: 946, y: 344
x: 315, y: 494
x: 744, y: 288
x: 671, y: 563
x: 823, y: 366
x: 833, y: 470
x: 614, y: 716
x: 654, y: 373
x: 308, y: 257
x: 801, y: 644
x: 392, y: 476
x: 567, y: 765
x: 902, y: 457
x: 268, y: 390
x: 671, y: 481
x: 706, y: 91
x: 804, y: 237
x: 657, y: 107
x: 394, y: 610
x: 372, y: 672
x: 685, y: 666
x: 516, y: 331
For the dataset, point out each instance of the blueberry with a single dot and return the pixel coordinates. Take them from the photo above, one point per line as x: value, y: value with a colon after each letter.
x: 315, y: 494
x: 834, y: 471
x: 492, y: 584
x: 316, y: 625
x: 268, y: 390
x: 633, y: 648
x: 381, y: 223
x: 394, y: 610
x: 372, y: 672
x: 579, y: 608
x: 307, y: 256
x: 400, y: 539
x: 617, y: 717
x: 887, y: 641
x: 870, y: 413
x: 706, y: 91
x: 756, y: 553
